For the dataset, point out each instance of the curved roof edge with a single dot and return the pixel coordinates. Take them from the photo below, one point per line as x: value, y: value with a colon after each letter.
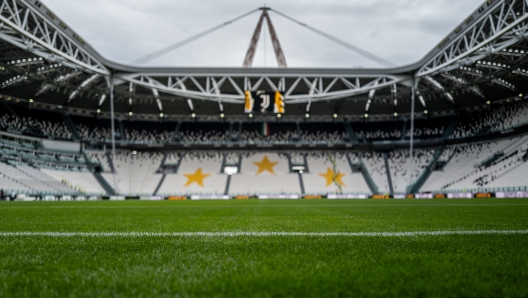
x: 410, y: 68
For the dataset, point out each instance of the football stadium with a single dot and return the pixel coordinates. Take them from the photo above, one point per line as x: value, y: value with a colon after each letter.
x: 137, y: 179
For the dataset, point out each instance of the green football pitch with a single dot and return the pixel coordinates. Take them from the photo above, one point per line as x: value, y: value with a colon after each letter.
x: 261, y: 248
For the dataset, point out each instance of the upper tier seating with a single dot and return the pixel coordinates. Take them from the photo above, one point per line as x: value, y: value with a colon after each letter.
x: 207, y: 133
x: 148, y: 132
x: 498, y: 119
x: 92, y: 129
x: 378, y: 130
x: 323, y: 132
x: 46, y: 123
x: 12, y: 123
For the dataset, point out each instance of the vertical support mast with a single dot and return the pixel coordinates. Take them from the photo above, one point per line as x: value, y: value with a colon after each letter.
x: 281, y: 59
x: 411, y: 149
x: 279, y: 54
x: 112, y: 117
x: 248, y: 61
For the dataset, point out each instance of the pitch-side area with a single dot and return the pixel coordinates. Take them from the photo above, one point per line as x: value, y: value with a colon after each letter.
x: 265, y: 248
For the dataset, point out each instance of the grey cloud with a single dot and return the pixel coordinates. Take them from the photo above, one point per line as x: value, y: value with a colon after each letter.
x: 402, y: 31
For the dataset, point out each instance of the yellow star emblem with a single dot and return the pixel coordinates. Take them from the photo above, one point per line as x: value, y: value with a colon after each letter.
x: 265, y: 165
x: 332, y: 177
x: 197, y: 178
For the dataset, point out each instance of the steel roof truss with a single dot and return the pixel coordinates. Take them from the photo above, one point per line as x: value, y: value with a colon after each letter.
x: 503, y: 26
x: 316, y: 91
x: 39, y: 35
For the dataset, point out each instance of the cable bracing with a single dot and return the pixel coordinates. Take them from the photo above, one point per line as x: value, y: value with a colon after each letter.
x: 345, y: 44
x: 179, y: 44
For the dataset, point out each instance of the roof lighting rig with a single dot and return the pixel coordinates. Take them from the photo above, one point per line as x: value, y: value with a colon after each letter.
x: 521, y: 71
x: 14, y: 80
x: 513, y: 52
x: 49, y: 68
x: 492, y: 65
x: 472, y: 71
x: 489, y: 51
x: 504, y: 83
x: 26, y: 62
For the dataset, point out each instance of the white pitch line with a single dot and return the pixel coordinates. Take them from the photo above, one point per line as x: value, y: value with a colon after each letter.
x: 261, y: 234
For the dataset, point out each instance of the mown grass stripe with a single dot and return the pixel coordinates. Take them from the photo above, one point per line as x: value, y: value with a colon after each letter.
x: 261, y: 234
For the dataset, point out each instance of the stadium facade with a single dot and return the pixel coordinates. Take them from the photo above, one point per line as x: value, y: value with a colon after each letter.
x: 74, y: 123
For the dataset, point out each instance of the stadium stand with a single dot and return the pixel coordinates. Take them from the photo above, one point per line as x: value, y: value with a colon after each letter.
x: 265, y: 173
x: 185, y: 131
x: 332, y: 173
x: 375, y: 165
x: 9, y: 179
x: 329, y: 133
x: 94, y: 130
x: 378, y: 130
x: 83, y: 182
x: 499, y: 119
x: 481, y: 165
x: 428, y: 128
x: 48, y: 124
x: 28, y: 178
x: 197, y: 173
x: 203, y: 133
x: 9, y: 122
x: 148, y: 132
x: 399, y: 166
x: 135, y: 173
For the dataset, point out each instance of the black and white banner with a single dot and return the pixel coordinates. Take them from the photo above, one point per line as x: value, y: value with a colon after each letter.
x: 264, y: 102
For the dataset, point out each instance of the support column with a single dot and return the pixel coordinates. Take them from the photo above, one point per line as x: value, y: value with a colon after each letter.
x: 112, y: 116
x: 411, y: 149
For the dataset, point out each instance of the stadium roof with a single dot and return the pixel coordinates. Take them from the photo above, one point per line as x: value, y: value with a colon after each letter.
x: 45, y: 62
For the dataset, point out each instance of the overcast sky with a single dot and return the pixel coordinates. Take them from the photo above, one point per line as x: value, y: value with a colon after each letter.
x: 401, y: 31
